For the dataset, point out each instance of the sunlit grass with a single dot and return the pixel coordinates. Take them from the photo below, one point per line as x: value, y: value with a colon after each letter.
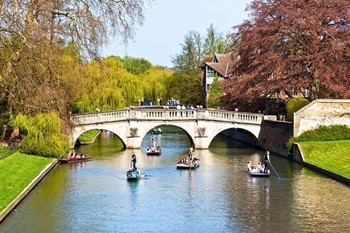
x: 88, y: 136
x: 16, y: 172
x: 333, y: 156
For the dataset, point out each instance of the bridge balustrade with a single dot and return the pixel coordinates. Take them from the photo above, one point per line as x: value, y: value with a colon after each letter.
x: 166, y: 114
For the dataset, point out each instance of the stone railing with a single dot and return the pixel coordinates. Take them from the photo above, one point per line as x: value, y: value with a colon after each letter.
x: 166, y: 114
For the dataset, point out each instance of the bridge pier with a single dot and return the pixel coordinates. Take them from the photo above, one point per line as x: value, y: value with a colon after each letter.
x: 201, y: 142
x: 133, y: 142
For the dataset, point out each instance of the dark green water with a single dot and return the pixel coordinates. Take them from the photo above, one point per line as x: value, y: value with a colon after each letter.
x: 217, y: 197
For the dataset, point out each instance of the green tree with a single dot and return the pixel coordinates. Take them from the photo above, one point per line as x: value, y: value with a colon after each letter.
x: 215, y: 94
x: 191, y: 53
x: 31, y: 38
x: 215, y: 42
x: 136, y: 66
x: 185, y: 87
x: 186, y: 63
x: 293, y: 105
x: 43, y: 134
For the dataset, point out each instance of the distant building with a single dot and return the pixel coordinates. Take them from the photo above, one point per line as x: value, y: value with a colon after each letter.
x: 218, y: 65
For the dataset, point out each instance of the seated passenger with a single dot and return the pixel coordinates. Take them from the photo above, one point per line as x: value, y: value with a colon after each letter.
x: 260, y: 167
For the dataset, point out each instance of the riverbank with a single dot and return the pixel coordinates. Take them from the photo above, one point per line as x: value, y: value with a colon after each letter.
x: 332, y: 155
x: 328, y: 157
x: 88, y: 137
x: 20, y: 173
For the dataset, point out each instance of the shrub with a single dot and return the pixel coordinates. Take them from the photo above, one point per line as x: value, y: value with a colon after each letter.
x: 323, y: 133
x: 294, y: 105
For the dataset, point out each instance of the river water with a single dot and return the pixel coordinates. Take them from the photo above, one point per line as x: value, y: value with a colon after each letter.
x: 219, y: 196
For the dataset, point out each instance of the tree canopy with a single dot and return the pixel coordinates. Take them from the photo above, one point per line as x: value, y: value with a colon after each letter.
x: 186, y: 64
x: 33, y: 34
x: 292, y: 46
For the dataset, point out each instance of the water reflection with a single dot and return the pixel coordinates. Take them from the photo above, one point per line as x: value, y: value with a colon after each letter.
x: 219, y: 196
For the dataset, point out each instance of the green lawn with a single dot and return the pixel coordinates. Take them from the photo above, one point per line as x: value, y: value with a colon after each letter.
x: 88, y: 136
x: 16, y: 172
x: 333, y: 156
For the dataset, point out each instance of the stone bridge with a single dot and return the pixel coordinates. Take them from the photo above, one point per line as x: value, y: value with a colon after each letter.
x: 131, y: 125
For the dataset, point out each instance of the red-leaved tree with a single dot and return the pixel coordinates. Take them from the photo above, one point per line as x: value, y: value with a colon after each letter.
x: 292, y: 46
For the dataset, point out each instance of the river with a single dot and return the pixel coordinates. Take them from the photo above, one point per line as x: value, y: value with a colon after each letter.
x: 219, y: 196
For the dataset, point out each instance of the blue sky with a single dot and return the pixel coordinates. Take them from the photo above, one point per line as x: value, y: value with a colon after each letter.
x: 168, y: 21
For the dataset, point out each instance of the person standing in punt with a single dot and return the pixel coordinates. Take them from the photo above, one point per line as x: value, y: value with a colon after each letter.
x: 133, y: 160
x: 266, y: 161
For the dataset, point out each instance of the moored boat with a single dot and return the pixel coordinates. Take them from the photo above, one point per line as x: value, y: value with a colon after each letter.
x: 76, y: 158
x: 186, y: 164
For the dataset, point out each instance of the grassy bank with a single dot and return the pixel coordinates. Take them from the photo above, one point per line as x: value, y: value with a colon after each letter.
x: 89, y: 136
x: 17, y: 171
x: 330, y: 155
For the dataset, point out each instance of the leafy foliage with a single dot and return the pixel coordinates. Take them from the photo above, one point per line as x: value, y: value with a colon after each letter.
x: 293, y: 105
x: 191, y: 54
x: 136, y: 66
x: 323, y: 133
x: 293, y: 45
x: 43, y: 135
x: 215, y: 42
x: 108, y: 85
x: 33, y: 33
x: 186, y: 64
x: 184, y: 87
x: 215, y: 94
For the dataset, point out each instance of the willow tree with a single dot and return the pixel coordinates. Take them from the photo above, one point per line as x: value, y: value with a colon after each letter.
x: 107, y: 87
x: 293, y: 46
x: 43, y: 134
x: 34, y: 31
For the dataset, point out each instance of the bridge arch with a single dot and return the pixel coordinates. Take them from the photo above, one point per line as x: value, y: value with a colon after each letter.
x: 80, y: 130
x: 131, y: 125
x: 217, y: 128
x: 239, y: 134
x: 144, y: 133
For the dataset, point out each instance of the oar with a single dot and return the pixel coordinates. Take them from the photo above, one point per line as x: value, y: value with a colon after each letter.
x: 274, y: 170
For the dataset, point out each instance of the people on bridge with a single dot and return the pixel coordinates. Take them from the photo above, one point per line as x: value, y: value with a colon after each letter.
x: 133, y: 160
x: 266, y: 161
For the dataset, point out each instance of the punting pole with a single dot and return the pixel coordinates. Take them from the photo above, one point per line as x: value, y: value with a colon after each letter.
x: 274, y: 170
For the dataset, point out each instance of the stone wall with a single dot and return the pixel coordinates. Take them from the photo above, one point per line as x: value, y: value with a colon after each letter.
x: 321, y: 112
x: 274, y: 136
